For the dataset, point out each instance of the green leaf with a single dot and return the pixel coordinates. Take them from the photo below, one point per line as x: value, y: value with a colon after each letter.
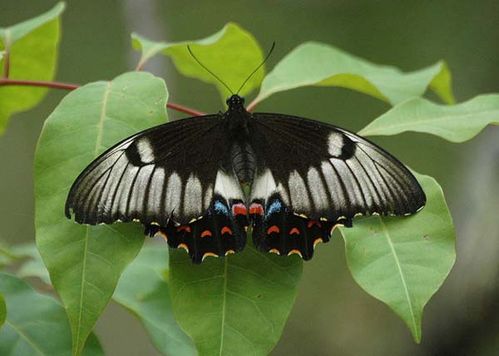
x: 143, y: 290
x: 8, y: 255
x: 85, y: 262
x: 404, y: 261
x: 93, y: 347
x: 318, y: 64
x: 20, y: 30
x: 234, y: 305
x: 3, y: 310
x: 232, y: 54
x: 32, y: 50
x: 36, y: 324
x: 33, y: 266
x: 456, y: 123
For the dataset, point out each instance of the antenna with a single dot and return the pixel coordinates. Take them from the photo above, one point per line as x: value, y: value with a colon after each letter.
x: 256, y: 69
x: 209, y: 71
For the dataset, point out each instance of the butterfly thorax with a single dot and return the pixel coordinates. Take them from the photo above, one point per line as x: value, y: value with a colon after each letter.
x: 242, y: 155
x: 236, y: 116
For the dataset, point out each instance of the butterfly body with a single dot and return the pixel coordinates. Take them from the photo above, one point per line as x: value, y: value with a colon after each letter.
x: 183, y: 180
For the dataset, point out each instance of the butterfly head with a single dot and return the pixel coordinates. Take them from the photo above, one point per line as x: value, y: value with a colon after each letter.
x: 235, y: 103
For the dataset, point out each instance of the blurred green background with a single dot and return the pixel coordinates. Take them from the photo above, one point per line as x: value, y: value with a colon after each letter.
x: 332, y: 315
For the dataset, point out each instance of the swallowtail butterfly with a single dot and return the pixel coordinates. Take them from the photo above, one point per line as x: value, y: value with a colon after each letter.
x: 184, y: 181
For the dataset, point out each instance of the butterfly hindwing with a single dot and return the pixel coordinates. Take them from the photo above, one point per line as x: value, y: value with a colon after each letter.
x: 220, y: 232
x: 278, y: 230
x: 313, y: 176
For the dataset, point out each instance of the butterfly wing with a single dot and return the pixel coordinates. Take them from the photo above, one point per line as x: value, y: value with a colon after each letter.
x: 175, y: 179
x: 312, y: 176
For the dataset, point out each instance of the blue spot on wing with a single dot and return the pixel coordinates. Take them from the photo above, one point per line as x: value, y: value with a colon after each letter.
x: 274, y: 207
x: 220, y: 208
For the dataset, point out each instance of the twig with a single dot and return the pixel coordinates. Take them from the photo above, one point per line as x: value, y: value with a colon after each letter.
x: 184, y: 109
x: 38, y: 83
x: 70, y: 86
x: 252, y: 105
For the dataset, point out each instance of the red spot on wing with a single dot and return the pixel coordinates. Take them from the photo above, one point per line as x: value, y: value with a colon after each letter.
x: 239, y: 209
x: 273, y: 228
x: 206, y: 233
x: 185, y: 228
x: 226, y: 230
x: 294, y: 231
x: 312, y: 223
x: 256, y: 209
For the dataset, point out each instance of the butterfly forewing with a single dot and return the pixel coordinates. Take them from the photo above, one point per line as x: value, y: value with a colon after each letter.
x: 176, y: 179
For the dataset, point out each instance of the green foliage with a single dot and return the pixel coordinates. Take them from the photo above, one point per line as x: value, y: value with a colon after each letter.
x: 234, y: 305
x: 36, y: 324
x: 85, y: 262
x: 32, y: 265
x: 231, y: 53
x: 403, y: 261
x: 31, y: 47
x: 143, y: 289
x: 318, y: 64
x: 456, y: 123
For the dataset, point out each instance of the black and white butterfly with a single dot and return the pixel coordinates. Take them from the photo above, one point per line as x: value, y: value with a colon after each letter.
x: 184, y: 181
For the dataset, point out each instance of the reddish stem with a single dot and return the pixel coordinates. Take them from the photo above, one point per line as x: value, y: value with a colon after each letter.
x: 38, y: 83
x: 252, y: 105
x: 69, y: 86
x: 184, y: 109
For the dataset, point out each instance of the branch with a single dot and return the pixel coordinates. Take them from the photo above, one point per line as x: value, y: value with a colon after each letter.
x: 38, y: 83
x: 70, y: 86
x: 184, y: 109
x: 252, y: 105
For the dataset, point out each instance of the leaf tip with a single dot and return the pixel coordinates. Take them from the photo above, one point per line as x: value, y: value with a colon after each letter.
x: 60, y: 7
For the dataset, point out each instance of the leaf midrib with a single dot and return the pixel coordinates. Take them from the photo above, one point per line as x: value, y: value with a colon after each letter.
x: 401, y: 273
x: 439, y: 119
x: 98, y: 143
x: 224, y: 307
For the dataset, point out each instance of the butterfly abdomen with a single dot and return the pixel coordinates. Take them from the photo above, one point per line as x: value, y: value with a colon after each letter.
x: 243, y: 161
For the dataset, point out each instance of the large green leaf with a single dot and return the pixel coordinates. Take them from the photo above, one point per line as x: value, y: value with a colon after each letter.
x: 403, y: 261
x: 143, y: 290
x: 32, y: 266
x: 231, y: 53
x: 32, y: 50
x: 36, y: 324
x: 318, y: 64
x: 85, y: 262
x: 235, y: 305
x: 456, y: 123
x: 8, y: 255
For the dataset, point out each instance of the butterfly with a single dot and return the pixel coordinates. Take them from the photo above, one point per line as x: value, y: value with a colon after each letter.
x: 200, y: 182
